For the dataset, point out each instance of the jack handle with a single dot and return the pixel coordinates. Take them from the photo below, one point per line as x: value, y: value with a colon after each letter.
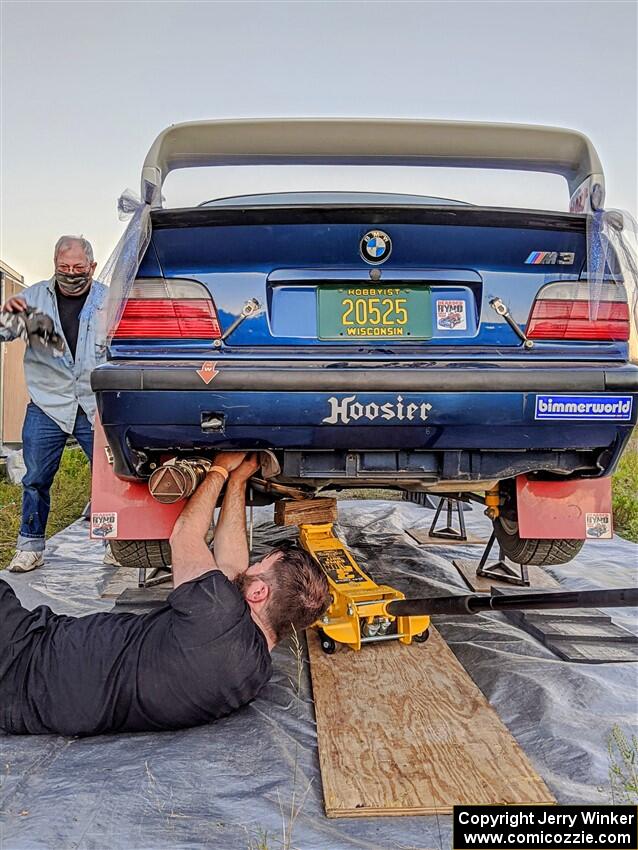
x: 473, y: 603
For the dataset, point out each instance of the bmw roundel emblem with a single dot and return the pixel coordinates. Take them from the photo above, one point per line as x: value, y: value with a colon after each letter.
x: 376, y: 247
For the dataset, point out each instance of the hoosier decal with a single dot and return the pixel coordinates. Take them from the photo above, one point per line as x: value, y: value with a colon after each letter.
x: 612, y: 408
x: 348, y: 409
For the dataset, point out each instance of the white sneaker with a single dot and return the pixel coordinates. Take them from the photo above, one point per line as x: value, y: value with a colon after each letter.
x: 24, y: 562
x: 109, y: 558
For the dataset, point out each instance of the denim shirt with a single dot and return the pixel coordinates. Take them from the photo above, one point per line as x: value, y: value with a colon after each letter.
x: 57, y: 385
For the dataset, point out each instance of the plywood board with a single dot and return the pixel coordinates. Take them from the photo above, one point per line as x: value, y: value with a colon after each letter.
x: 403, y: 730
x: 538, y: 578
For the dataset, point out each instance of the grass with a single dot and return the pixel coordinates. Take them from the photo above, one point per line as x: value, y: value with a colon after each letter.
x: 623, y: 767
x: 365, y: 493
x: 69, y: 495
x: 625, y: 493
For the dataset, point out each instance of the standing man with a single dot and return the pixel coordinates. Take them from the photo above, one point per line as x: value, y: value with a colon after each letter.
x: 62, y: 403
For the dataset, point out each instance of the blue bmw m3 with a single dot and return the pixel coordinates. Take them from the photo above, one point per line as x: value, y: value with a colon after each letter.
x: 380, y: 340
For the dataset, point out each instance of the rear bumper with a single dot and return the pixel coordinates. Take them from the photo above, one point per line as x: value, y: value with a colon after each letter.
x: 376, y: 376
x: 396, y: 422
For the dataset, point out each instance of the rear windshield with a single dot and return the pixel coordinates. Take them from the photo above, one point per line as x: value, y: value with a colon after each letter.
x: 292, y: 199
x: 254, y: 185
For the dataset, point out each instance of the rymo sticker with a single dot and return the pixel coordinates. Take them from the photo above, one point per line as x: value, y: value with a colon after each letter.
x: 104, y: 525
x: 616, y: 408
x: 451, y: 314
x: 598, y: 526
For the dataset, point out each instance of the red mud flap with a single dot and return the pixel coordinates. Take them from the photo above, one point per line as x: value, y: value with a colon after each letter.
x: 577, y: 510
x: 125, y: 510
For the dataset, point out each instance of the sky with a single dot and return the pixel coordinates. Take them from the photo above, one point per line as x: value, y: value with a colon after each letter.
x: 85, y: 87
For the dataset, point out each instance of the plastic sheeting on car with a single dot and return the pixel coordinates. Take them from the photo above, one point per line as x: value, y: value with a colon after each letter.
x: 612, y: 255
x: 230, y: 783
x: 118, y: 272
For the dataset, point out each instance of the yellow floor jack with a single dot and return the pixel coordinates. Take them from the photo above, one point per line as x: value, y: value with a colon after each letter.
x: 365, y: 612
x: 358, y: 613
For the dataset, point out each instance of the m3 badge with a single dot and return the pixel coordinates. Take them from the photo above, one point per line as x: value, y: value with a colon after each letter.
x: 551, y: 258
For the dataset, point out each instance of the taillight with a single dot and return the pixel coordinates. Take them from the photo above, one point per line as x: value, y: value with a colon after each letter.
x: 168, y: 309
x: 565, y: 310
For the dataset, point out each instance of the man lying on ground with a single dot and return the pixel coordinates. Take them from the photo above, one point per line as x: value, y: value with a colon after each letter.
x: 199, y: 657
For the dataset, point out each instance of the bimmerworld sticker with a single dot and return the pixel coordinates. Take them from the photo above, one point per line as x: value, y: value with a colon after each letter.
x: 598, y: 526
x: 104, y: 525
x: 613, y: 408
x: 451, y: 315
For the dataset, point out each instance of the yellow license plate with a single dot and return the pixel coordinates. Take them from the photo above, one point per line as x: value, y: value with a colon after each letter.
x: 374, y: 312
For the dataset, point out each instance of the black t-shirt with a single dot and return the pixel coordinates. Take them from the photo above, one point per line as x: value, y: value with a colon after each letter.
x: 69, y: 309
x: 197, y: 658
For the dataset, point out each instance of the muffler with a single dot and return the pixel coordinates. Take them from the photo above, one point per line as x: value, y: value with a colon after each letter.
x: 178, y: 479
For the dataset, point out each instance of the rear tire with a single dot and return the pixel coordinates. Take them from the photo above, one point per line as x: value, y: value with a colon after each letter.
x: 533, y: 551
x: 146, y: 554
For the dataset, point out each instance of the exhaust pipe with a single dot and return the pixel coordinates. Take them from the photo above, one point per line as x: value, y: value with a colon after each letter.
x: 178, y: 479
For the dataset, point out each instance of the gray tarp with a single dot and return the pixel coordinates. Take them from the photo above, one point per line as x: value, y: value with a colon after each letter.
x: 222, y: 786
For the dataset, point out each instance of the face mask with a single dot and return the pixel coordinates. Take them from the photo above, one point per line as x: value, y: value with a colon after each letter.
x: 73, y: 284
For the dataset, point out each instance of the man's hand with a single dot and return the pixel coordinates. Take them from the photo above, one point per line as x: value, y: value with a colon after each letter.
x: 191, y: 556
x: 229, y: 460
x: 246, y: 469
x: 16, y: 304
x: 229, y: 544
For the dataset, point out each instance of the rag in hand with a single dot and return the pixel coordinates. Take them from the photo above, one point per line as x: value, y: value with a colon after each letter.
x: 35, y: 328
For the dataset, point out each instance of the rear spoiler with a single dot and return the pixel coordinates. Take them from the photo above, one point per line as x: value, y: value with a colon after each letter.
x: 377, y: 141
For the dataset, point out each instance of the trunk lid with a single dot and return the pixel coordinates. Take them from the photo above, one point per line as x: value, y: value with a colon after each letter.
x: 320, y: 288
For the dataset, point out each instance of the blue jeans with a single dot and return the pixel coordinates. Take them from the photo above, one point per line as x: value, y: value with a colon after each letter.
x: 43, y: 443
